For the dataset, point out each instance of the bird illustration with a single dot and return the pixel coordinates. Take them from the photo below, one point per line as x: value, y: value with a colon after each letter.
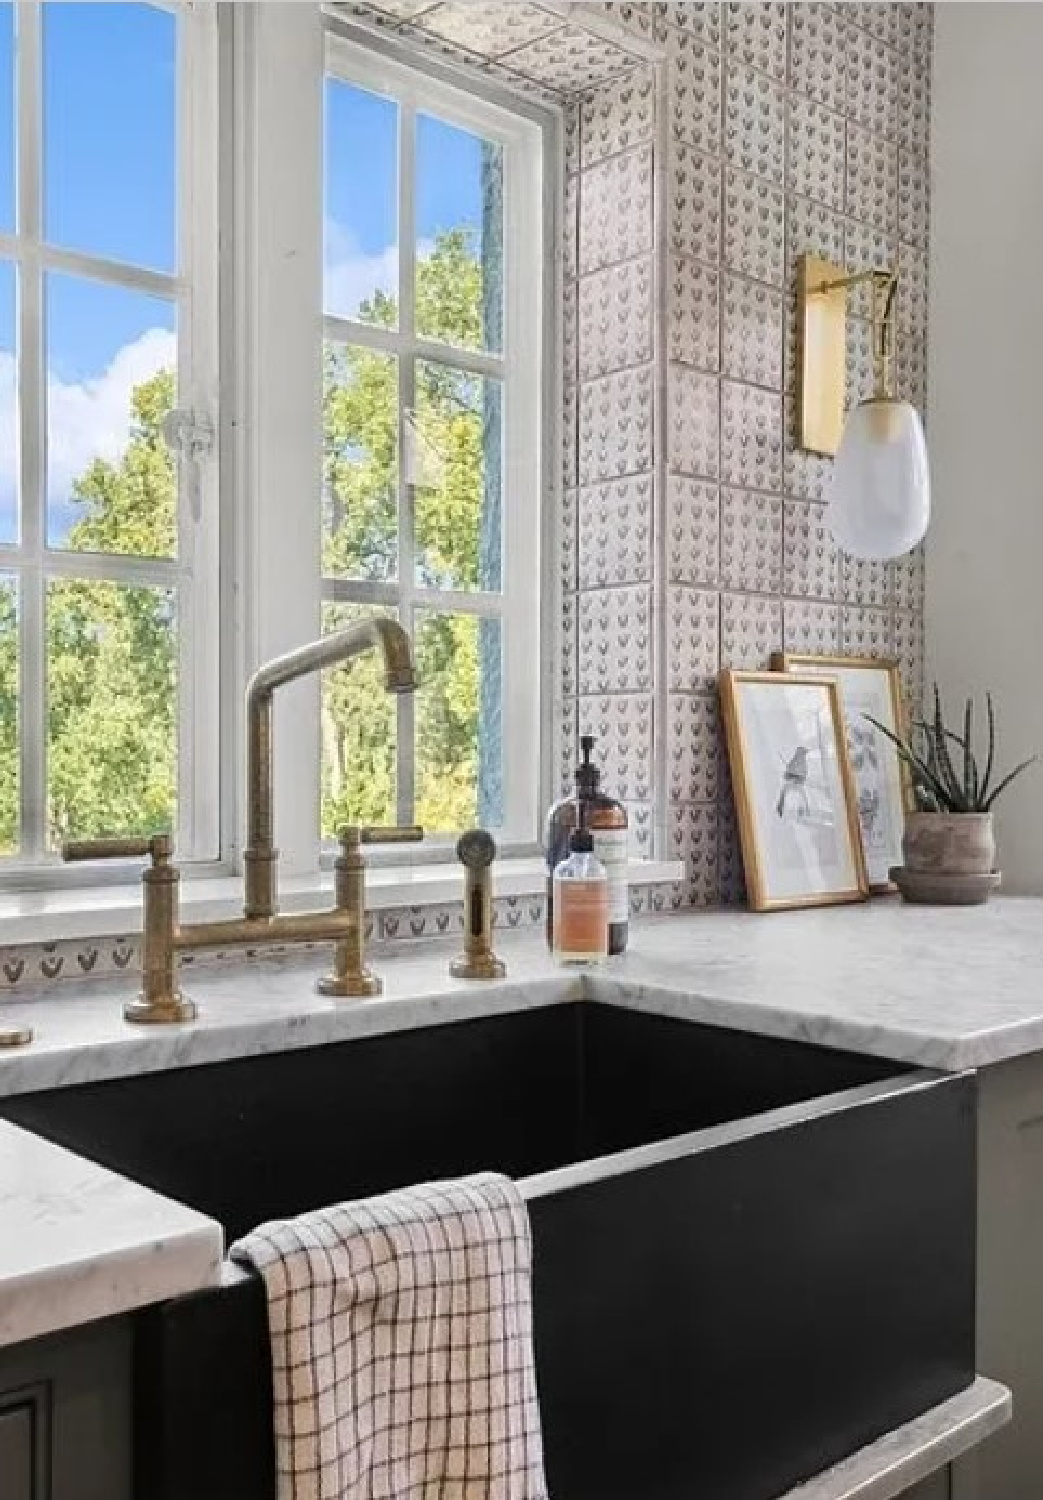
x: 795, y: 783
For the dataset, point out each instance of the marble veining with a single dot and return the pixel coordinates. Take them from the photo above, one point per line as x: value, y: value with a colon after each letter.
x: 78, y: 1242
x: 934, y: 987
x: 926, y: 985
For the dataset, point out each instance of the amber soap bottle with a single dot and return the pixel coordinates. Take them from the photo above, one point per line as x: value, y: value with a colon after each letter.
x: 606, y: 821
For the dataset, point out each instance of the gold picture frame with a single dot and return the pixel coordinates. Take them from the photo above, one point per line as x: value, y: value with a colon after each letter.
x: 794, y: 791
x: 883, y: 788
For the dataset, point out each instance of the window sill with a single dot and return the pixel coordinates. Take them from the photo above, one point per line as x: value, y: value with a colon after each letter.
x: 115, y: 910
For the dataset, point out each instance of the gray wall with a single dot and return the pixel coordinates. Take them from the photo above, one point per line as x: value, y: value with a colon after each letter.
x: 985, y: 546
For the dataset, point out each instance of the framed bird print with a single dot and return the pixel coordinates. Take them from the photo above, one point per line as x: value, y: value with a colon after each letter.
x: 794, y: 792
x: 869, y: 689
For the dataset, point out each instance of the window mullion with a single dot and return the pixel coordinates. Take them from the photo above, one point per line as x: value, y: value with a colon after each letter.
x: 360, y: 591
x: 32, y: 378
x: 406, y: 718
x: 281, y: 264
x: 198, y: 315
x: 115, y: 567
x: 100, y: 268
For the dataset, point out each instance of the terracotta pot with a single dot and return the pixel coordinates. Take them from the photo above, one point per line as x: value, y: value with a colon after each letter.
x: 949, y: 843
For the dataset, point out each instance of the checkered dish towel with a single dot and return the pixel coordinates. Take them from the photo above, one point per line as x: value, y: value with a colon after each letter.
x: 401, y: 1337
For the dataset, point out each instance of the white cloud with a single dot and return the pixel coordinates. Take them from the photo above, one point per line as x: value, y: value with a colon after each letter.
x: 92, y: 419
x: 352, y: 275
x: 85, y: 419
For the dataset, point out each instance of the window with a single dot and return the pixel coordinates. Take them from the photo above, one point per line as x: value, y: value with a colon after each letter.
x: 132, y: 609
x: 108, y: 570
x: 431, y: 447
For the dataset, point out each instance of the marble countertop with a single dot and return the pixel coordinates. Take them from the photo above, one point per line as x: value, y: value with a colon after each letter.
x: 78, y: 1242
x: 946, y: 988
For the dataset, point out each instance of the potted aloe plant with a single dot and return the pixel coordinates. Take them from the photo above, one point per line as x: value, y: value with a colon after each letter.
x: 949, y: 845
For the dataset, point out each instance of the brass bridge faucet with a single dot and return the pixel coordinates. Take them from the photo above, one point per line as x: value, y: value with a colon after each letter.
x: 164, y: 937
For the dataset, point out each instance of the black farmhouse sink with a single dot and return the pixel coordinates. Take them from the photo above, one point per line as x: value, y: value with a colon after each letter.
x: 751, y: 1256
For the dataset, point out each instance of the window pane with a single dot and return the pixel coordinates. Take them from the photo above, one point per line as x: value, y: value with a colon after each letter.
x: 10, y: 446
x: 7, y: 177
x: 110, y: 130
x: 456, y: 466
x: 360, y: 463
x: 111, y: 709
x: 459, y: 737
x: 111, y: 371
x: 358, y: 735
x: 459, y: 225
x: 361, y: 217
x: 8, y: 714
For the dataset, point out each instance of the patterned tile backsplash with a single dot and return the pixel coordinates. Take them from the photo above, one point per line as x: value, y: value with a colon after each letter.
x: 692, y: 533
x: 766, y: 130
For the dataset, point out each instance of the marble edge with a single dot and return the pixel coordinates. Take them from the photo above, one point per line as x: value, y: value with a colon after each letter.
x: 129, y: 1050
x: 903, y: 1457
x: 878, y: 1039
x: 269, y: 1007
x: 102, y: 1284
x: 916, y: 1046
x: 79, y: 1241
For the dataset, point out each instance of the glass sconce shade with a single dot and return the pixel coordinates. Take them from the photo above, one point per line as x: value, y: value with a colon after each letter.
x: 880, y: 497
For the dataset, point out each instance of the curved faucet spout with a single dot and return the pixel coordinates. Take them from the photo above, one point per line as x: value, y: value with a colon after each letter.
x: 376, y: 631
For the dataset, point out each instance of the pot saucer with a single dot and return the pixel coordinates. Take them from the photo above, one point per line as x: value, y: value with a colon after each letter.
x: 933, y: 888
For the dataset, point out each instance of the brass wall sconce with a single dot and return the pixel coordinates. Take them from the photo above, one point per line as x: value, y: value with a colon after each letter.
x: 880, y: 497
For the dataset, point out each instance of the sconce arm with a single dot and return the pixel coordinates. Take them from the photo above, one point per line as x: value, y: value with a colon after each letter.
x: 885, y: 285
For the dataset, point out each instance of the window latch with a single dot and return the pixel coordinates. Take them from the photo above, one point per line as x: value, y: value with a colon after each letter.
x: 191, y: 437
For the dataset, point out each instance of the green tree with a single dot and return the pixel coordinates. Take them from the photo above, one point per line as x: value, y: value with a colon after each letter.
x: 112, y: 649
x: 360, y: 473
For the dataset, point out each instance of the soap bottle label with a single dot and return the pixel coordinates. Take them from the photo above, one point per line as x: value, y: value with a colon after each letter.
x: 610, y: 847
x: 581, y: 919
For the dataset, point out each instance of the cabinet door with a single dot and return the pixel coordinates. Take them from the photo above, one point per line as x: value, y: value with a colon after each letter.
x: 23, y: 1446
x: 65, y: 1415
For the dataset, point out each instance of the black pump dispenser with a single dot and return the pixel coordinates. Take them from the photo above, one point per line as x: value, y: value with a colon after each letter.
x: 588, y: 775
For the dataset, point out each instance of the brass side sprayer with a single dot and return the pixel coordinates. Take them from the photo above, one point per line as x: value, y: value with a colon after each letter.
x: 476, y: 851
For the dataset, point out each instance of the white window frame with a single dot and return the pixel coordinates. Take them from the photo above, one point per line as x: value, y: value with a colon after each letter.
x: 194, y: 574
x: 520, y: 367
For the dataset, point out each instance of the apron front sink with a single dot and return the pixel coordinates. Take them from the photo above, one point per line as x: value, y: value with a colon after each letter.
x: 752, y: 1256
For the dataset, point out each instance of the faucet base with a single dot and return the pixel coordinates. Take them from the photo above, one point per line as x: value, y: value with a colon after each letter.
x: 160, y: 1013
x: 349, y: 986
x: 478, y: 966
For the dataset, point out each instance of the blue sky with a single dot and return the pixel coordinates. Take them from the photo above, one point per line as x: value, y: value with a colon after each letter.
x: 109, y: 165
x: 109, y: 189
x: 362, y: 189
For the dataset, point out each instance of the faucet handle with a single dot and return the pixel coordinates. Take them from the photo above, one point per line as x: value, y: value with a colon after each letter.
x: 355, y: 834
x: 158, y: 846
